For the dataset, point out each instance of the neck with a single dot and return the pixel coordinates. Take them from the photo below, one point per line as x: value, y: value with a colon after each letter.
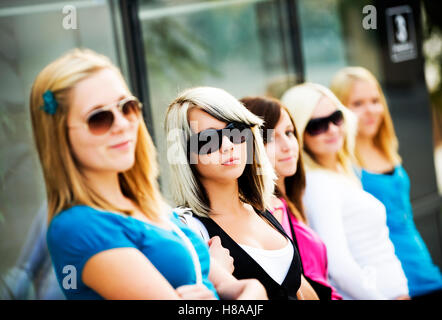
x: 329, y: 161
x: 107, y: 185
x: 364, y: 142
x: 223, y: 197
x: 281, y: 185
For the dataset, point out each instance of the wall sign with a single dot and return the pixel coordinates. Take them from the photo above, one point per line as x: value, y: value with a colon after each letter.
x: 401, y: 33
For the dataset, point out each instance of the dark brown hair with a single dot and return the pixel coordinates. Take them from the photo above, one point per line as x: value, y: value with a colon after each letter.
x: 270, y: 109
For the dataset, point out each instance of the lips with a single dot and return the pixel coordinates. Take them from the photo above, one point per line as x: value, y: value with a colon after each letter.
x: 231, y: 161
x: 333, y: 140
x: 286, y: 159
x: 370, y: 122
x: 123, y: 144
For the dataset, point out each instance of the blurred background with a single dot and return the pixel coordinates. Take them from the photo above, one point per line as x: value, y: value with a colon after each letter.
x: 247, y: 47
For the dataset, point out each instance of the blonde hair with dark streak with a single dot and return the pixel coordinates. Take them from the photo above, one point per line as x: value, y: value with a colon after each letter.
x: 66, y: 186
x: 385, y: 139
x: 256, y: 184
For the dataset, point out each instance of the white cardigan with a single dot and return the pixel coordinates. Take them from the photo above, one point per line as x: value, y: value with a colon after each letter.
x: 352, y: 223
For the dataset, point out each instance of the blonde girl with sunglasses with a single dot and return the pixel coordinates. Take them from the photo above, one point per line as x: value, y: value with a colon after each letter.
x: 222, y: 176
x: 351, y: 222
x: 109, y: 227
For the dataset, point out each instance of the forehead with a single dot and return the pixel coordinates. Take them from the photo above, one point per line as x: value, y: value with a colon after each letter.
x: 284, y: 120
x: 102, y: 88
x: 362, y: 88
x: 324, y: 108
x: 200, y: 120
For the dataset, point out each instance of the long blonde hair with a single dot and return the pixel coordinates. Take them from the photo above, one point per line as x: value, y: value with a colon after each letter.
x: 301, y: 100
x: 385, y: 139
x: 65, y: 184
x: 256, y: 184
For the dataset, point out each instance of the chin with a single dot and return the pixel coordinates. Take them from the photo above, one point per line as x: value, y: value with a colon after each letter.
x: 370, y: 133
x: 231, y: 174
x: 287, y: 172
x: 125, y: 165
x: 333, y: 148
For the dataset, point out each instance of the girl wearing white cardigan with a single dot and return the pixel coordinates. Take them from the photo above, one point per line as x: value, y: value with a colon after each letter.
x: 351, y: 222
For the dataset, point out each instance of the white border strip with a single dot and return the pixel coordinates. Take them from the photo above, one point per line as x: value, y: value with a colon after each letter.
x: 156, y: 13
x: 49, y: 7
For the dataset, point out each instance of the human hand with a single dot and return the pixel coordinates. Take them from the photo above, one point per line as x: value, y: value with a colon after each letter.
x: 195, y: 292
x: 306, y: 291
x: 221, y: 254
x: 246, y: 289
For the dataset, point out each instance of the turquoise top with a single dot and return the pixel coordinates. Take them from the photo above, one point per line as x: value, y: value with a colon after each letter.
x: 78, y: 233
x: 393, y: 190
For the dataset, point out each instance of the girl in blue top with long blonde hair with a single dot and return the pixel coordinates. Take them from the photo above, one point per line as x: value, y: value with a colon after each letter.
x: 111, y: 234
x: 384, y: 176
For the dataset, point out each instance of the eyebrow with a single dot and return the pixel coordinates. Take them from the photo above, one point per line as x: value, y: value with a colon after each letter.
x: 98, y: 106
x: 325, y: 117
x: 212, y: 128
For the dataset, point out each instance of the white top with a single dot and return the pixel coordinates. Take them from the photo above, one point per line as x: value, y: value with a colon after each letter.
x: 193, y: 223
x: 353, y: 225
x: 276, y: 263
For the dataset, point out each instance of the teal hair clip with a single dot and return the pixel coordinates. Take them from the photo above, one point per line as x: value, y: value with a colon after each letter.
x: 50, y: 104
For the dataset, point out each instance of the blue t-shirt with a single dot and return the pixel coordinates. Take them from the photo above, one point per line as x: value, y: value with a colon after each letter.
x: 80, y: 232
x: 393, y: 190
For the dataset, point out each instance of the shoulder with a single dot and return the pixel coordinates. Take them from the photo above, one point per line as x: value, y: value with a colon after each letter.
x: 69, y: 219
x: 322, y: 181
x: 277, y: 203
x: 85, y: 227
x: 72, y: 213
x: 81, y: 217
x: 319, y: 176
x: 186, y: 217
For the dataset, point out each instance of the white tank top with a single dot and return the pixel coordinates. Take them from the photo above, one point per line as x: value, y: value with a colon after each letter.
x: 275, y: 262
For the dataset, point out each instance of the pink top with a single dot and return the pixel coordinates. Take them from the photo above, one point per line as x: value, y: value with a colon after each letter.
x: 311, y: 248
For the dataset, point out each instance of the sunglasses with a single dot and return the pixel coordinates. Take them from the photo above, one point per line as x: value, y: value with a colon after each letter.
x: 320, y: 125
x: 101, y: 120
x: 211, y: 140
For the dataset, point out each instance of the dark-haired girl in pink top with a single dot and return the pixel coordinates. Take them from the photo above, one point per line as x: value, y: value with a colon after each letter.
x: 280, y: 138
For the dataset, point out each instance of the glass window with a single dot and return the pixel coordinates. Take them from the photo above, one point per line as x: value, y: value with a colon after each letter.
x: 323, y: 45
x: 240, y: 46
x: 334, y: 36
x: 32, y: 34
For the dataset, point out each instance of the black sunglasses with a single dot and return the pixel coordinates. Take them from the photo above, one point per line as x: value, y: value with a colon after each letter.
x: 320, y: 125
x: 211, y: 140
x: 101, y: 120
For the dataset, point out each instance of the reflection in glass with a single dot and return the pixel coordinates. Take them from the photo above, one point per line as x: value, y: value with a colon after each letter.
x: 239, y: 46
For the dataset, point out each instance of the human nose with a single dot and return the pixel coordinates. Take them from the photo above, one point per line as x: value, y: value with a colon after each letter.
x: 120, y: 121
x: 227, y: 145
x: 285, y: 143
x: 332, y: 127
